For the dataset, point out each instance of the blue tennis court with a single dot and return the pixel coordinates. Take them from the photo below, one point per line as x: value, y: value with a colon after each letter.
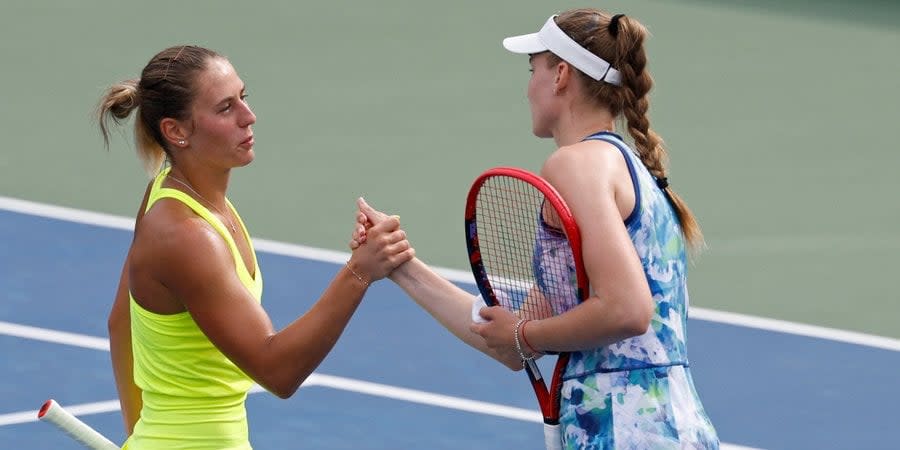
x: 396, y: 379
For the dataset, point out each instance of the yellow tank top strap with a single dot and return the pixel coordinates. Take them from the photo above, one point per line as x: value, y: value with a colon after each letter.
x: 240, y: 222
x: 158, y: 192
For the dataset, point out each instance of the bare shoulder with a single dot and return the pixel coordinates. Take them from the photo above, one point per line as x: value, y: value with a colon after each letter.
x: 172, y: 239
x: 594, y: 161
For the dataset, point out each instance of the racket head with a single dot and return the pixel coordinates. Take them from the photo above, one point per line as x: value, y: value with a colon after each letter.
x: 524, y: 245
x: 525, y: 252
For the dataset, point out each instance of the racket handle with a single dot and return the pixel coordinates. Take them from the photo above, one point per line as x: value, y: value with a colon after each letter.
x: 552, y: 437
x: 56, y: 415
x: 532, y: 367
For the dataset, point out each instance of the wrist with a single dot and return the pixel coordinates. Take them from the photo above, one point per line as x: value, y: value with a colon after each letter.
x: 402, y: 271
x: 524, y: 355
x: 357, y: 274
x: 527, y: 343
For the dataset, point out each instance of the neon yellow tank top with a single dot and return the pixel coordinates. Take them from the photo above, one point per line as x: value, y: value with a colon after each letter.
x: 193, y: 396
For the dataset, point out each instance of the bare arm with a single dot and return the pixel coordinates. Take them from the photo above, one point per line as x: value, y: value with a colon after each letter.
x: 448, y: 304
x: 196, y: 265
x: 597, y: 187
x: 444, y: 301
x: 119, y: 324
x: 119, y: 327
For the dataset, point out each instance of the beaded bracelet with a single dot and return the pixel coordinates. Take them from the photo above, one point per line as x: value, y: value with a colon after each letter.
x: 518, y: 344
x: 358, y: 277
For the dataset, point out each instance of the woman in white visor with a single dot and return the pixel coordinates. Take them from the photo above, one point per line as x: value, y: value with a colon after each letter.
x: 628, y: 384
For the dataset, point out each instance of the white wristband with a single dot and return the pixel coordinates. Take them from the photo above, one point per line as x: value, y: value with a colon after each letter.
x: 477, y: 304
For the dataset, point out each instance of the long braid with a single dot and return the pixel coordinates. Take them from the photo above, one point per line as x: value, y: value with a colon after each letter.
x: 623, y: 47
x: 636, y: 84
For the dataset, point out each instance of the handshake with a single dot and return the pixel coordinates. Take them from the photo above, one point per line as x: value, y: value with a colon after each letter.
x: 378, y: 243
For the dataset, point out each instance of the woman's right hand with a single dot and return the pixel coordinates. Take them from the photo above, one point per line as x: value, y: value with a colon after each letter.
x: 384, y: 247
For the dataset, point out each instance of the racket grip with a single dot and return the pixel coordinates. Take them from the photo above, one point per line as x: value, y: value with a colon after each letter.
x: 552, y: 437
x: 55, y: 414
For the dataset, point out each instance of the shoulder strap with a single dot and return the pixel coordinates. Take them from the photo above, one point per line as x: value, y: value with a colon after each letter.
x: 629, y: 156
x: 157, y: 192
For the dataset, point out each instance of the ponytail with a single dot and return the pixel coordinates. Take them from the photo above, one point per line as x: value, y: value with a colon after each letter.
x: 116, y: 105
x: 165, y: 89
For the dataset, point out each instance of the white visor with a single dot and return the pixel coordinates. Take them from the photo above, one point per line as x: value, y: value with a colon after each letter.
x: 552, y: 38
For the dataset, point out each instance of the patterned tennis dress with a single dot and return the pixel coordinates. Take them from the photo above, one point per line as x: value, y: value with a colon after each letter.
x: 638, y: 393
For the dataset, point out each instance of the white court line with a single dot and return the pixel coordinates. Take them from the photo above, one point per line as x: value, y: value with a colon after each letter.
x: 367, y: 388
x: 328, y: 381
x: 83, y: 409
x: 459, y: 276
x: 56, y: 337
x: 316, y: 379
x: 800, y: 329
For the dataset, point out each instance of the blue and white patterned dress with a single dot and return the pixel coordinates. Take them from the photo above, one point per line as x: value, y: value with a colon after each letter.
x: 638, y: 393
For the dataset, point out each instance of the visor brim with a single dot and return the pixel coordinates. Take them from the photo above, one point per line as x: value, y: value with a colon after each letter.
x: 527, y: 44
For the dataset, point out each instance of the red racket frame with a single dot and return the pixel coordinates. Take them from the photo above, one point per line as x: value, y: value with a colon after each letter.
x: 548, y: 399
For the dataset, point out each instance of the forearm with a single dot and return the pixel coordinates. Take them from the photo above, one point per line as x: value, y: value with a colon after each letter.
x: 450, y: 305
x: 298, y: 349
x: 592, y: 324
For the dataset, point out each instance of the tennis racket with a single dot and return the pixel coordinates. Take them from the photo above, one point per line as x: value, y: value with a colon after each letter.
x: 55, y: 414
x: 525, y: 251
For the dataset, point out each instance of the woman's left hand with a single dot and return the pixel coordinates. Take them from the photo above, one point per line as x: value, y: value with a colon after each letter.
x: 498, y: 333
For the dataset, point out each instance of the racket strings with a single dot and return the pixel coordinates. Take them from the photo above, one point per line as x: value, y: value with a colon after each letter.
x: 529, y: 265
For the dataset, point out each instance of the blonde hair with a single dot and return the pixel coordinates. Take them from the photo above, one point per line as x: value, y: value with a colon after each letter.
x: 118, y: 102
x: 165, y: 89
x: 623, y: 46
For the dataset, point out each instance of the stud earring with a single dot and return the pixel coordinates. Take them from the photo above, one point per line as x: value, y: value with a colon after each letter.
x: 182, y: 142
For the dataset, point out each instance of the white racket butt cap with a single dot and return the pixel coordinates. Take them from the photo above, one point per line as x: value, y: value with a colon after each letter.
x: 552, y: 437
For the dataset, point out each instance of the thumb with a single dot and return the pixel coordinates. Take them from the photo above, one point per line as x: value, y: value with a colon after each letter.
x: 374, y: 216
x: 490, y: 313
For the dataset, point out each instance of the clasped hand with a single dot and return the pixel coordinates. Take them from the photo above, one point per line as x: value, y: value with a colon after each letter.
x: 379, y: 244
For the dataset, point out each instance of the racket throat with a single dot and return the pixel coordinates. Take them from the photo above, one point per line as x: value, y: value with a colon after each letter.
x: 533, y: 369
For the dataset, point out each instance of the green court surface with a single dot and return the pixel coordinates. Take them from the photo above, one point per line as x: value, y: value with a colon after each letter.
x: 780, y: 120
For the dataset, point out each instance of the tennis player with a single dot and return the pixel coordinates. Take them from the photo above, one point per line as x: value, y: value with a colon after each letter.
x: 187, y: 332
x: 628, y: 384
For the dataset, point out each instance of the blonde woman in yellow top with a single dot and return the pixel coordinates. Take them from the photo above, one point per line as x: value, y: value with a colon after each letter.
x: 187, y: 332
